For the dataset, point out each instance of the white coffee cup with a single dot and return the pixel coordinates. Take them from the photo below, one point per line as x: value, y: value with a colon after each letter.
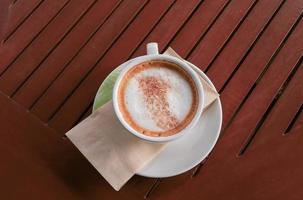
x: 153, y: 54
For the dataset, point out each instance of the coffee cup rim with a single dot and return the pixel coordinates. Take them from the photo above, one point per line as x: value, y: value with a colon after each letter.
x: 174, y: 60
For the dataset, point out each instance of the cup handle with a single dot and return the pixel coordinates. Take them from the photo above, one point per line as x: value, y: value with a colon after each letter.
x: 152, y: 48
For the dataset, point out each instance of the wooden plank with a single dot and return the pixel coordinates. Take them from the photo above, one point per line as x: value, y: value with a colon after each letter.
x: 5, y: 10
x: 20, y: 12
x: 225, y: 65
x: 259, y: 57
x: 171, y: 24
x: 242, y: 41
x: 266, y: 91
x: 37, y: 164
x: 197, y: 26
x: 119, y: 53
x: 285, y: 109
x: 262, y: 174
x: 87, y: 58
x: 33, y: 88
x: 25, y: 159
x: 43, y: 45
x: 27, y: 32
x: 212, y: 42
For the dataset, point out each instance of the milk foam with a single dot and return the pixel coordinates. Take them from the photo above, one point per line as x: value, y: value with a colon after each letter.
x: 179, y: 97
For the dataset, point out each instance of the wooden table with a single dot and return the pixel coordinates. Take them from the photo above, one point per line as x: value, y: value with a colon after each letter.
x: 55, y: 54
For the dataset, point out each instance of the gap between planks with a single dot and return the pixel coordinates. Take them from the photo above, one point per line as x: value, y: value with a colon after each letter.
x: 294, y: 120
x: 82, y: 15
x: 250, y: 138
x: 33, y: 39
x: 10, y: 33
x: 94, y: 65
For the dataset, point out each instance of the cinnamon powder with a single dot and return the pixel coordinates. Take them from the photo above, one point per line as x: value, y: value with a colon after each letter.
x: 155, y: 97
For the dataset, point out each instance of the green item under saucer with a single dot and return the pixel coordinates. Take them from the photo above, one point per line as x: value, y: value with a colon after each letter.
x: 105, y: 91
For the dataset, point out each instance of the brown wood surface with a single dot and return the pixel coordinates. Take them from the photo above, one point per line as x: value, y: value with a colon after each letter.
x: 87, y: 59
x: 46, y: 41
x: 19, y: 12
x: 28, y: 31
x: 64, y: 53
x: 4, y: 15
x: 55, y: 54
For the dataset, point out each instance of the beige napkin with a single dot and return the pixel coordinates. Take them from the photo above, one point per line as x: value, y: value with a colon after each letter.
x: 111, y: 149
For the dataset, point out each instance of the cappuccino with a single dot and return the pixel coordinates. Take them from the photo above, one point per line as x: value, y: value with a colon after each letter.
x: 158, y: 98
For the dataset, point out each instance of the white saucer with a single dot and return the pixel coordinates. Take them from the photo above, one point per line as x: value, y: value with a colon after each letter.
x: 185, y: 153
